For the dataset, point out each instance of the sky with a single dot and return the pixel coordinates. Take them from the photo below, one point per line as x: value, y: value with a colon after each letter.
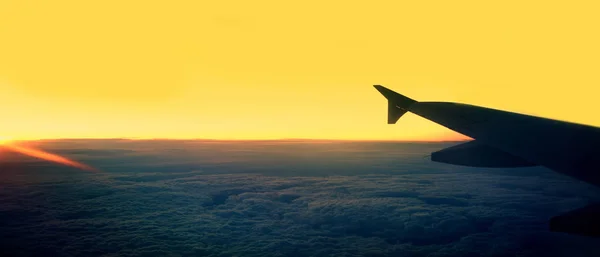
x: 283, y: 69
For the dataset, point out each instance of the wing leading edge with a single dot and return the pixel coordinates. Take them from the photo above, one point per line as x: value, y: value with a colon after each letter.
x: 507, y: 139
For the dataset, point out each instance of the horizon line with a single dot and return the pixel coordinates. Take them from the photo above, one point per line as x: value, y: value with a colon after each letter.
x: 248, y: 139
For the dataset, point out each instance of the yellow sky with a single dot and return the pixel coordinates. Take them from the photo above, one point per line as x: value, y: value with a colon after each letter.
x: 286, y: 69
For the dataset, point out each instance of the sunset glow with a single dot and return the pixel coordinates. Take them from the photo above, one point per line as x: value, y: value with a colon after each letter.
x: 270, y: 69
x: 47, y: 156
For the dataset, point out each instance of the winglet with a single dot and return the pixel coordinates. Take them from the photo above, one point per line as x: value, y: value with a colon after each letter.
x: 397, y: 104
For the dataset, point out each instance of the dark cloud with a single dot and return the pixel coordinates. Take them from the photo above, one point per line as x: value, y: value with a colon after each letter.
x: 211, y: 198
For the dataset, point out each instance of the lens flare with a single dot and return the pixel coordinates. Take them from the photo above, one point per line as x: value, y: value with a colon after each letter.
x: 46, y: 156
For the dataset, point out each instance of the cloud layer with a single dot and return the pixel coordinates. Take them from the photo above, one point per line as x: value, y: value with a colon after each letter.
x: 209, y: 198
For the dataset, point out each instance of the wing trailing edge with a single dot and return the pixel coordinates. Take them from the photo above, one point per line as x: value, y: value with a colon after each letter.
x: 584, y: 221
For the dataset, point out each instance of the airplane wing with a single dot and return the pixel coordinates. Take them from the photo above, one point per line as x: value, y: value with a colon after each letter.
x: 508, y: 139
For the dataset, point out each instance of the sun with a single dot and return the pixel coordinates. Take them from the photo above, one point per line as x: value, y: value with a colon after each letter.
x: 5, y: 140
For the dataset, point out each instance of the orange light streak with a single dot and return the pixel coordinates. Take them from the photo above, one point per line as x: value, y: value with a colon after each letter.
x: 48, y: 156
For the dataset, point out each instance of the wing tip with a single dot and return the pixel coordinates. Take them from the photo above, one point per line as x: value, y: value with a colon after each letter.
x: 393, y: 96
x: 398, y: 104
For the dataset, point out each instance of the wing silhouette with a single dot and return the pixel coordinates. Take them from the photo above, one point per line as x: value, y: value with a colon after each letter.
x: 508, y: 139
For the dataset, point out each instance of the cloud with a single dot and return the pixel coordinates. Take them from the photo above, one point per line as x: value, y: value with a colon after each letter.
x: 185, y: 198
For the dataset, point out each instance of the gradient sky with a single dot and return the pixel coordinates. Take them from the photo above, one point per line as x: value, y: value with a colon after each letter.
x: 283, y: 69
